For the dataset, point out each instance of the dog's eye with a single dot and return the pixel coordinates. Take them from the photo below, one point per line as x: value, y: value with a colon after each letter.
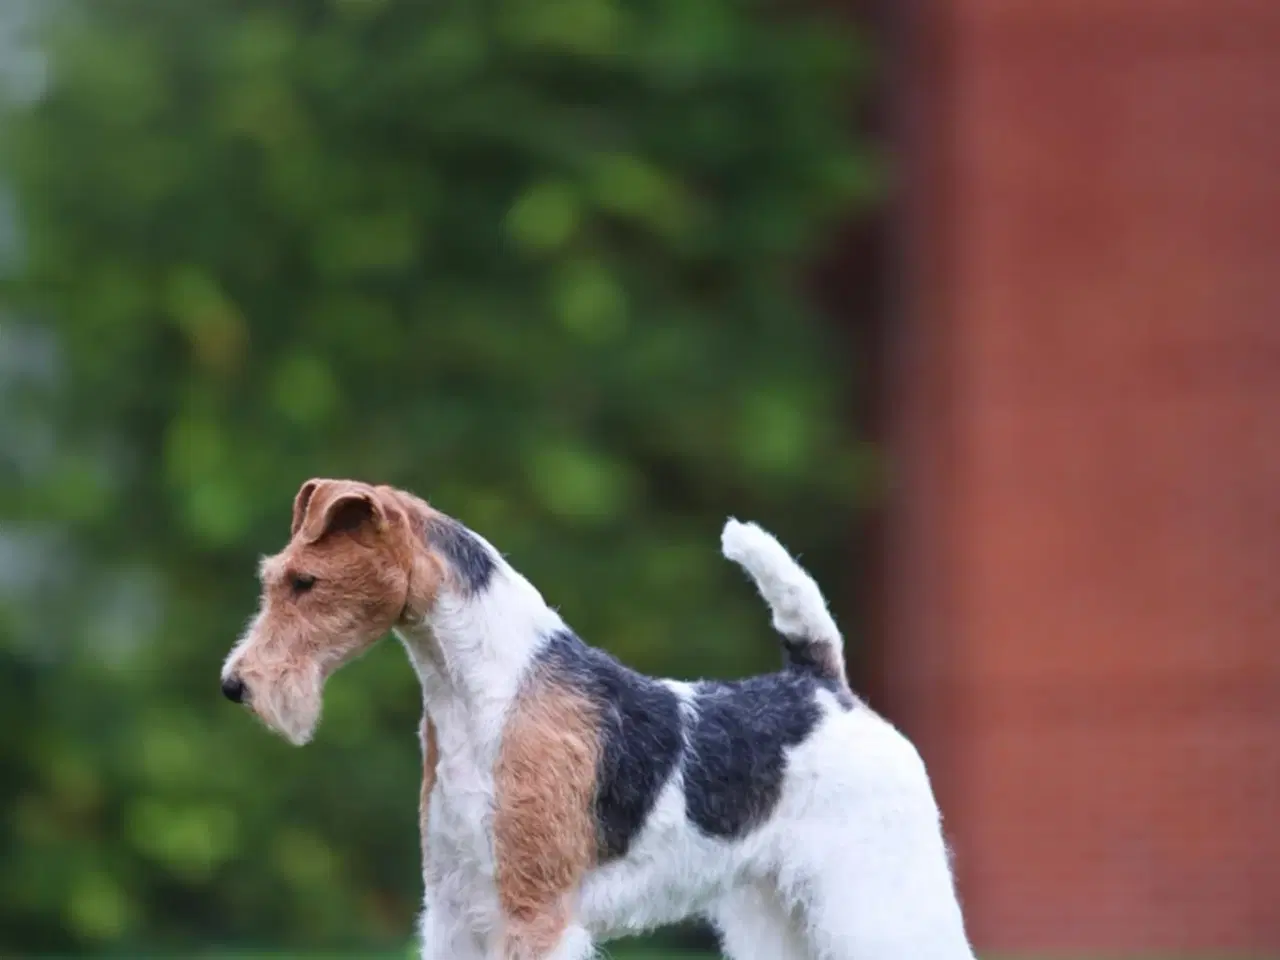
x: 302, y: 583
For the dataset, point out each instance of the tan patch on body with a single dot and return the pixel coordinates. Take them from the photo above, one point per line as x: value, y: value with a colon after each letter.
x: 430, y: 758
x: 544, y: 825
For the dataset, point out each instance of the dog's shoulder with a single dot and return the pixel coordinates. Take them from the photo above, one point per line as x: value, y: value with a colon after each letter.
x: 638, y: 729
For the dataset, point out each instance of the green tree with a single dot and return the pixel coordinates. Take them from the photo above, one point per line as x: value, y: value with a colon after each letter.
x: 537, y: 260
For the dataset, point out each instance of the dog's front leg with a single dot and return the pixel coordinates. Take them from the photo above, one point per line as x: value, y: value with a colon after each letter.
x: 442, y: 931
x: 544, y: 830
x: 575, y: 944
x: 549, y: 940
x: 447, y: 934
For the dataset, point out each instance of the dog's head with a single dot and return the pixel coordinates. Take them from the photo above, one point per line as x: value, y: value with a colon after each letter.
x: 356, y: 564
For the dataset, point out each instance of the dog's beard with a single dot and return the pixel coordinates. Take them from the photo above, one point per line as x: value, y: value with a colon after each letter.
x: 284, y: 685
x: 289, y: 703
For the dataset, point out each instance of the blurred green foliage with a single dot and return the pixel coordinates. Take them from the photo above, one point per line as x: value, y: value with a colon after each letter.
x: 537, y: 260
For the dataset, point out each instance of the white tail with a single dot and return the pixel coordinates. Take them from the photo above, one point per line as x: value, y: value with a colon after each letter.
x: 810, y: 636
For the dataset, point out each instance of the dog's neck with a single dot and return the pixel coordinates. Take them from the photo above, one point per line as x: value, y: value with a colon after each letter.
x: 473, y: 650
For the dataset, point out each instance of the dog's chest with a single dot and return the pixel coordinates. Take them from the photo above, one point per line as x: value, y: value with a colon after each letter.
x: 460, y: 818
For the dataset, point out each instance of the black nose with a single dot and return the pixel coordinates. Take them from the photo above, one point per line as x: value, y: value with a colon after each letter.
x: 233, y: 689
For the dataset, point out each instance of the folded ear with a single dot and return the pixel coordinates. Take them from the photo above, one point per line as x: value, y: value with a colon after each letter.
x: 330, y: 506
x: 300, y: 503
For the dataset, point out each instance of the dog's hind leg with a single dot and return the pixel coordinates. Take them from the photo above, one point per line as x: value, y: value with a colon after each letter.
x: 754, y: 924
x: 893, y: 904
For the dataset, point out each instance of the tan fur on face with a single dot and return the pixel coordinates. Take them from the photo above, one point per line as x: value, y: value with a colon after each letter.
x: 363, y: 547
x: 544, y: 828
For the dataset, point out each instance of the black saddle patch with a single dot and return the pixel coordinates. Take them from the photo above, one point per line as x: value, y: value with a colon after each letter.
x: 735, y: 762
x: 640, y: 736
x: 469, y: 557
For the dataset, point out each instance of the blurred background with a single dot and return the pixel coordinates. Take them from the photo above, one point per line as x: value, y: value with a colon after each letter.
x: 975, y: 303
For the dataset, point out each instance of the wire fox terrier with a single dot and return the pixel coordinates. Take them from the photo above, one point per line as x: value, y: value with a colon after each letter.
x: 567, y: 799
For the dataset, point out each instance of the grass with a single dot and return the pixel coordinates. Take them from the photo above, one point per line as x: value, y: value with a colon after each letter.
x: 606, y: 953
x: 619, y: 952
x: 622, y: 952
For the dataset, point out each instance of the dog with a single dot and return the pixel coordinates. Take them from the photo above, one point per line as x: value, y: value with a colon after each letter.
x: 567, y: 799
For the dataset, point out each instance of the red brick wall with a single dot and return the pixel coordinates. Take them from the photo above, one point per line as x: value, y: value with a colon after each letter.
x: 1082, y: 623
